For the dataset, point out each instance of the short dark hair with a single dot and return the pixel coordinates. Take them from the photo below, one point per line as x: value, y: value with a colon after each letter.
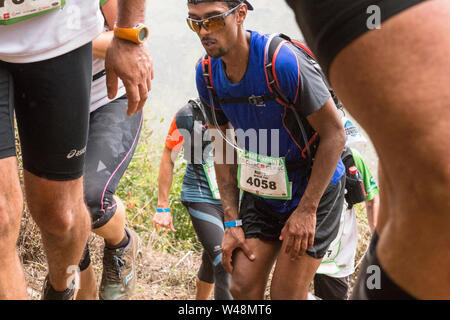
x: 233, y: 4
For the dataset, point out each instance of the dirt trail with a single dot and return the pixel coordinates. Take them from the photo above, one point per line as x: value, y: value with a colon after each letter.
x: 161, y: 276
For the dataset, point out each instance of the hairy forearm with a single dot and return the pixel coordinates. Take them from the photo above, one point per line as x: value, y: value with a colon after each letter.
x: 131, y: 12
x: 229, y: 192
x: 165, y: 178
x: 226, y: 173
x: 326, y: 160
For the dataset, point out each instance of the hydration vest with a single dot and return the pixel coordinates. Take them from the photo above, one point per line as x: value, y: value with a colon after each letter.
x: 306, y: 138
x: 200, y: 130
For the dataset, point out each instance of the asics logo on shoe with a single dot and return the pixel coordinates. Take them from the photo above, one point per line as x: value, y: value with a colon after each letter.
x: 129, y: 276
x: 76, y: 153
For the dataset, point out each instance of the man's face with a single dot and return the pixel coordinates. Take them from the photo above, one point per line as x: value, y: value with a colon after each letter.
x: 216, y: 43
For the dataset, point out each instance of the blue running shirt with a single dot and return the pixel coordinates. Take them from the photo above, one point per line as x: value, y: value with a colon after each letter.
x: 292, y: 73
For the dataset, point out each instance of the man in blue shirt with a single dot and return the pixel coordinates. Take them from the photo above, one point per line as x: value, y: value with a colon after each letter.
x: 288, y: 208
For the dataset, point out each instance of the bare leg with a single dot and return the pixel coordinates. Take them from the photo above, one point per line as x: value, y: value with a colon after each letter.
x: 113, y: 232
x: 88, y: 285
x: 291, y: 279
x: 12, y: 280
x: 401, y: 78
x: 249, y: 278
x: 59, y: 210
x: 204, y: 289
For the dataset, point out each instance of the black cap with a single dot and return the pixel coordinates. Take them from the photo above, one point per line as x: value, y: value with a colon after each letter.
x: 250, y: 7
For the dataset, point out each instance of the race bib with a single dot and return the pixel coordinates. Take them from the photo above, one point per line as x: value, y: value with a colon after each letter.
x: 264, y: 176
x: 12, y: 11
x: 210, y: 173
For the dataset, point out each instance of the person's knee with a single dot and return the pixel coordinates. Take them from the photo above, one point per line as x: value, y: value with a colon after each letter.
x: 57, y: 206
x: 59, y: 217
x: 286, y: 288
x: 65, y: 219
x: 102, y: 206
x: 242, y: 289
x: 236, y: 289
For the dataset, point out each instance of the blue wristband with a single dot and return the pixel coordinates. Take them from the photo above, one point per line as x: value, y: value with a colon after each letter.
x: 162, y: 210
x: 232, y: 224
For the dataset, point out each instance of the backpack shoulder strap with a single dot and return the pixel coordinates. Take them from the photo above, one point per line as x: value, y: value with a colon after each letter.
x: 272, y: 48
x: 199, y: 121
x: 273, y: 45
x: 207, y: 75
x: 197, y: 111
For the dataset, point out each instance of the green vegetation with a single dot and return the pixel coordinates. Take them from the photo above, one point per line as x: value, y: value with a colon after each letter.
x: 139, y: 191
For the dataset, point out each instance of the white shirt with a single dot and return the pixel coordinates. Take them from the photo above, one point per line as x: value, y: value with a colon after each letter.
x: 51, y: 34
x: 339, y: 261
x: 99, y: 91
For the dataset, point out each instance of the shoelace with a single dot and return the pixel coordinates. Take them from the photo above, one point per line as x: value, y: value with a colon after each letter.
x: 118, y: 263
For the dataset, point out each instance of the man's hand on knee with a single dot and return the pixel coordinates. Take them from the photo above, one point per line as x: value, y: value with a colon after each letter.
x: 298, y: 233
x: 234, y: 238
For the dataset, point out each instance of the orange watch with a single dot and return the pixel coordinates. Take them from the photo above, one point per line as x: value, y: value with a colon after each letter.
x: 138, y: 34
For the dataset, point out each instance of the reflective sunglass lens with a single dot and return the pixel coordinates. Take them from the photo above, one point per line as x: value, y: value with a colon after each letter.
x: 193, y: 25
x: 214, y: 24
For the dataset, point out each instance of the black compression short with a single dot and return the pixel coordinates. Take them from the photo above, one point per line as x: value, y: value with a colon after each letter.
x: 113, y: 138
x: 330, y: 25
x: 261, y: 222
x: 51, y: 99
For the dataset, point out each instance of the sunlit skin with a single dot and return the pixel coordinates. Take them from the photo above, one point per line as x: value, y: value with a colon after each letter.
x: 404, y: 107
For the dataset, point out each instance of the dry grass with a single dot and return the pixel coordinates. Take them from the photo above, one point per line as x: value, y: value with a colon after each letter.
x: 162, y: 274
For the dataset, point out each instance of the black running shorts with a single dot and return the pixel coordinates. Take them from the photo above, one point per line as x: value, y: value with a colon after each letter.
x: 330, y: 288
x: 330, y: 25
x: 51, y: 99
x: 260, y: 221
